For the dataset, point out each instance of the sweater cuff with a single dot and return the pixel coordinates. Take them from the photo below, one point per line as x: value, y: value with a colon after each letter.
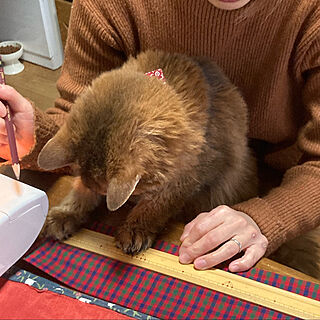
x: 266, y: 218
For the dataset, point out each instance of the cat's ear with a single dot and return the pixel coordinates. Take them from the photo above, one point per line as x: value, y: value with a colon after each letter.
x: 118, y: 192
x: 56, y: 153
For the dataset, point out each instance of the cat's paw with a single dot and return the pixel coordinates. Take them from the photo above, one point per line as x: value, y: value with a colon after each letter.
x: 60, y: 224
x: 132, y: 240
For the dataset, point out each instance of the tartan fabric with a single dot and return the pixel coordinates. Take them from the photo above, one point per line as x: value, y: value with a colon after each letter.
x: 152, y: 293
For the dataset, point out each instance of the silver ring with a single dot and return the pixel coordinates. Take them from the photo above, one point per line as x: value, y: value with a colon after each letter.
x: 238, y: 243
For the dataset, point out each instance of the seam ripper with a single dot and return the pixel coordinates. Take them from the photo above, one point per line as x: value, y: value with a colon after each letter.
x: 10, y: 131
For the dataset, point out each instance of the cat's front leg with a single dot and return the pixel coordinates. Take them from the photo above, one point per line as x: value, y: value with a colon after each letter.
x: 133, y: 238
x: 143, y: 224
x: 135, y: 235
x: 66, y: 218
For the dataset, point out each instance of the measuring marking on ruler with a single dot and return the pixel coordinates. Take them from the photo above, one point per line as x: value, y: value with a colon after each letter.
x: 215, y: 279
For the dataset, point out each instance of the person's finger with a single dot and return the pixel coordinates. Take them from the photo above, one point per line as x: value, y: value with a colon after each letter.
x: 3, y: 139
x: 252, y: 255
x: 209, y: 233
x: 201, y: 227
x: 225, y: 252
x: 244, y: 237
x: 208, y: 242
x: 187, y: 229
x: 204, y: 222
x: 190, y: 225
x: 13, y: 97
x: 2, y: 126
x: 228, y: 249
x: 3, y: 110
x: 3, y: 129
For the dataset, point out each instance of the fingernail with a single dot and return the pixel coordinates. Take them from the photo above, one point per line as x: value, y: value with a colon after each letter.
x: 185, y: 258
x: 200, y: 264
x: 234, y: 267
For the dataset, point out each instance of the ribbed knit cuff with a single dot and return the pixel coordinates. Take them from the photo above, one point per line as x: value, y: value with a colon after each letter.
x: 265, y: 217
x: 290, y: 210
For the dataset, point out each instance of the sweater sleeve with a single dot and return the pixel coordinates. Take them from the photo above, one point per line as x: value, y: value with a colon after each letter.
x: 92, y: 47
x: 294, y: 207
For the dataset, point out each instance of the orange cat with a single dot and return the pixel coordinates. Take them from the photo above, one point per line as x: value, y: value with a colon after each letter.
x: 178, y: 147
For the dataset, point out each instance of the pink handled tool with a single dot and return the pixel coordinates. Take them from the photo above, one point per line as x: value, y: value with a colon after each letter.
x: 10, y: 131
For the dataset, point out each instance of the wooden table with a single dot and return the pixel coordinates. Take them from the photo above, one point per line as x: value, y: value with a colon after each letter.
x: 38, y: 84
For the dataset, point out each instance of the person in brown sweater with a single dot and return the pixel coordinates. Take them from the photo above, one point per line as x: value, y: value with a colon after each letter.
x: 269, y: 49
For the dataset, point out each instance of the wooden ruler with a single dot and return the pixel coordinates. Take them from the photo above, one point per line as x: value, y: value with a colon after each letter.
x: 215, y: 279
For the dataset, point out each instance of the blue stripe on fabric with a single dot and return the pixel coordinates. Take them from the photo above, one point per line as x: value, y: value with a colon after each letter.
x: 228, y: 310
x: 179, y: 300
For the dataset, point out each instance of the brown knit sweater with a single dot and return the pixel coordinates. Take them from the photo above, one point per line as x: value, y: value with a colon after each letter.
x: 272, y: 53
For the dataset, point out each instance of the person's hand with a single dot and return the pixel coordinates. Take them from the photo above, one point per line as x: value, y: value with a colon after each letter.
x: 211, y: 229
x: 22, y: 117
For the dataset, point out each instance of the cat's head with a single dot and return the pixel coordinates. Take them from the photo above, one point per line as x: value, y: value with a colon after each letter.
x: 126, y: 134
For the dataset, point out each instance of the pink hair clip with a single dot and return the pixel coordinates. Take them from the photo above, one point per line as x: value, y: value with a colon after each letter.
x: 158, y: 73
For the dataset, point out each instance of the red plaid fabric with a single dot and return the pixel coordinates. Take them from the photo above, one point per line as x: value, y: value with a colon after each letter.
x: 152, y: 293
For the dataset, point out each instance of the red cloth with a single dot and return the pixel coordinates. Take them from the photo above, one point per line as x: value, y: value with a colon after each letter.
x: 20, y: 301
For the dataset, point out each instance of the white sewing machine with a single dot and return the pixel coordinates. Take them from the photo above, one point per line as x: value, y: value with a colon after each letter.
x: 23, y: 210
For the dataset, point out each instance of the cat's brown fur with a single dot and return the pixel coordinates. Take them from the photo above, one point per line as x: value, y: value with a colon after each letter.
x: 179, y: 147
